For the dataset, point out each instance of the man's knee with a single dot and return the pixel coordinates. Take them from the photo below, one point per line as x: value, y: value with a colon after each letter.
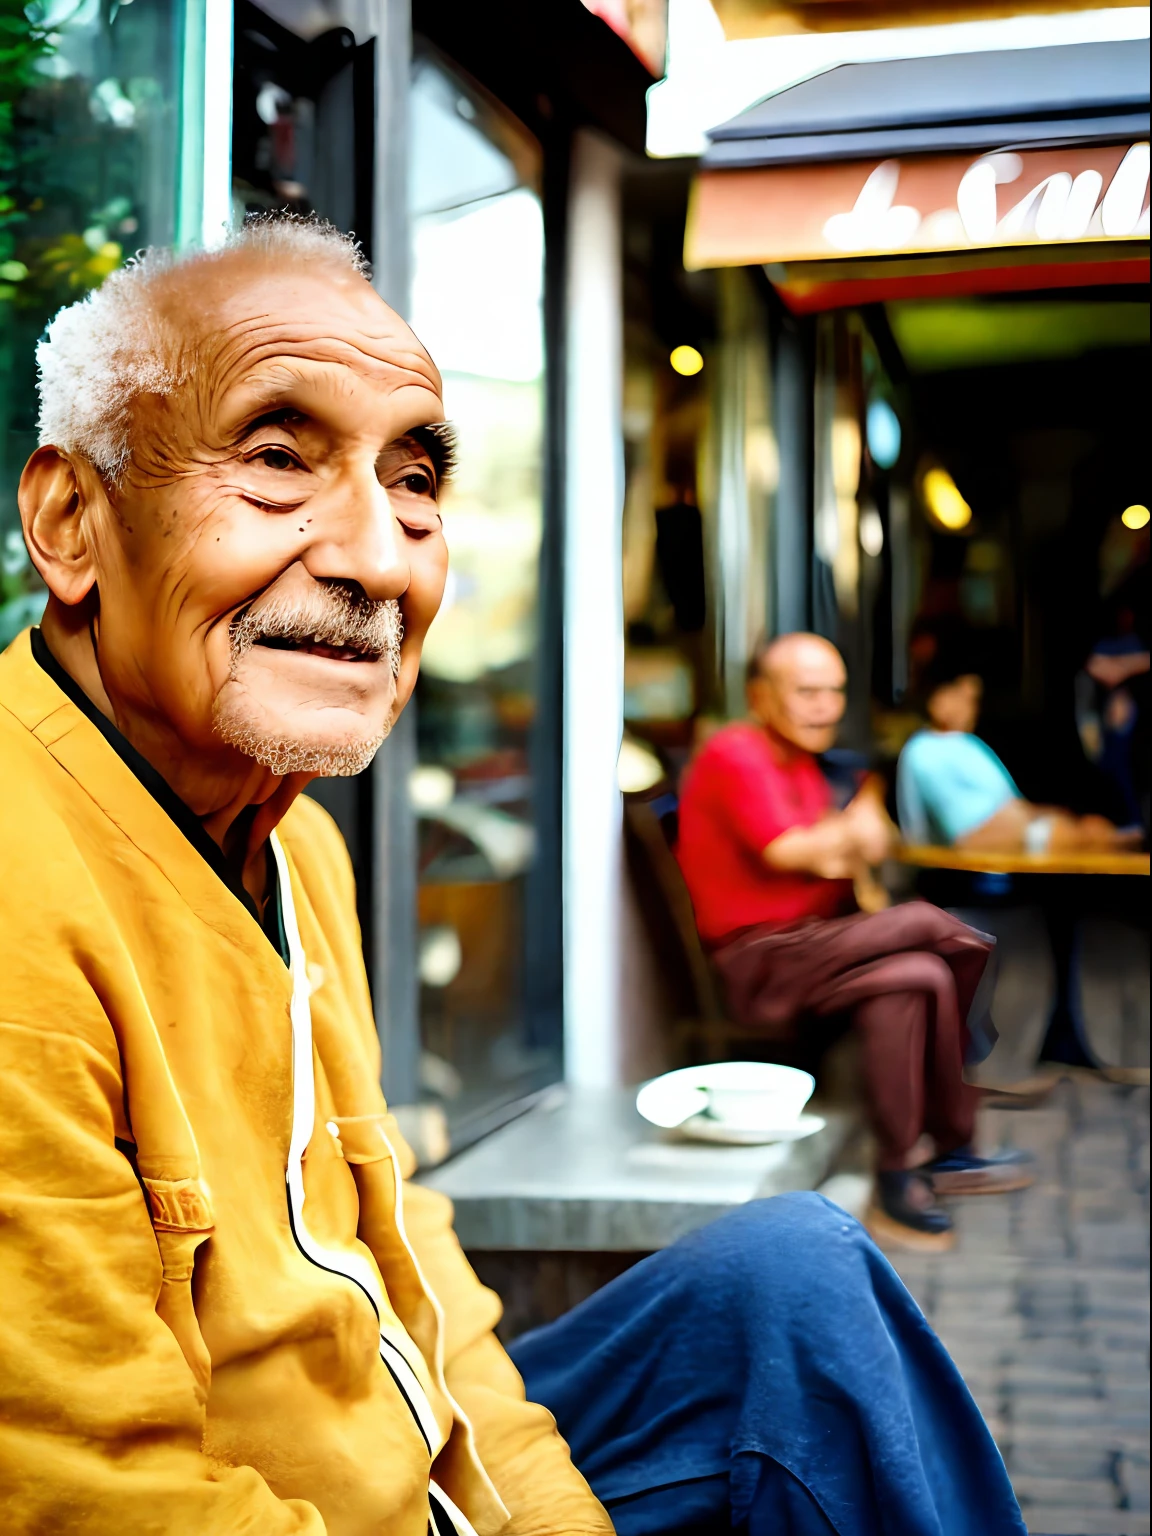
x: 919, y: 923
x: 914, y: 972
x: 797, y: 1222
x: 796, y: 1243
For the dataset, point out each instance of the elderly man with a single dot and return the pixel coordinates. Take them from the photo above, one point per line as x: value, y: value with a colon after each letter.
x: 770, y: 866
x: 224, y: 1310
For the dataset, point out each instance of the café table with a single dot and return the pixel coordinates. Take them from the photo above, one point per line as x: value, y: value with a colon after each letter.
x: 1069, y: 890
x: 1089, y: 862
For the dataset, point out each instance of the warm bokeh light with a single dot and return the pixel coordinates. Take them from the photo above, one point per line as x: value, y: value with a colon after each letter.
x: 637, y: 768
x: 1135, y: 517
x: 944, y: 501
x: 871, y: 532
x: 430, y: 788
x: 686, y: 360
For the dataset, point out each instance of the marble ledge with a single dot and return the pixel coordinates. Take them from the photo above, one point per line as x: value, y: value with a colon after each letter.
x: 581, y: 1171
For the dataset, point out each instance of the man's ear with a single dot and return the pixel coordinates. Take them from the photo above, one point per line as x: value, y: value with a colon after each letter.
x: 56, y: 499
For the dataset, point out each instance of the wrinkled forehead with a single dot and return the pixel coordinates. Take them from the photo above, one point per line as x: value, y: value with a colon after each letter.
x: 825, y: 676
x: 253, y: 333
x: 810, y: 665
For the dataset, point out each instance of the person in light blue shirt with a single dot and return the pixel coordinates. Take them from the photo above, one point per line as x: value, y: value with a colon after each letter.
x: 952, y: 789
x: 948, y: 784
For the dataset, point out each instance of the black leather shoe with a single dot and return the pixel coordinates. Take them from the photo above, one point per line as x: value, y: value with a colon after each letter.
x: 904, y: 1214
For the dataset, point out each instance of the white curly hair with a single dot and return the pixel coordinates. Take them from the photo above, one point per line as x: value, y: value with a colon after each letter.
x: 101, y: 352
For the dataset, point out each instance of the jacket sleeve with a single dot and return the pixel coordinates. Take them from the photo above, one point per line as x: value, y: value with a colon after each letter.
x: 519, y: 1444
x: 100, y: 1417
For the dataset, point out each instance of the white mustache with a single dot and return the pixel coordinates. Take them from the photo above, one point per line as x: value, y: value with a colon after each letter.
x: 334, y: 615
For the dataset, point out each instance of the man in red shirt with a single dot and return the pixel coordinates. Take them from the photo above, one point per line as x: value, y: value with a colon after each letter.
x: 770, y: 864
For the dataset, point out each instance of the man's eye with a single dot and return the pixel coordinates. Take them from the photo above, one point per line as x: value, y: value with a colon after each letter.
x: 276, y: 458
x: 419, y: 483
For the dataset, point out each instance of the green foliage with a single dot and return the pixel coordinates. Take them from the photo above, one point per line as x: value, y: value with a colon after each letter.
x: 24, y: 42
x: 89, y: 153
x: 40, y: 273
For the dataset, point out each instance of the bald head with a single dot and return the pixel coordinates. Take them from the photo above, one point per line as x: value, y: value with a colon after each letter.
x: 782, y: 656
x: 251, y: 328
x: 101, y: 353
x: 796, y: 689
x: 170, y: 321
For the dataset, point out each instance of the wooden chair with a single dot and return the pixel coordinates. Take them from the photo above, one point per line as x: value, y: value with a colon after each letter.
x: 703, y: 1029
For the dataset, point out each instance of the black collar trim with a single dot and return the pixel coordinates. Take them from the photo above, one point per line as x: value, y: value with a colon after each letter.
x: 170, y: 802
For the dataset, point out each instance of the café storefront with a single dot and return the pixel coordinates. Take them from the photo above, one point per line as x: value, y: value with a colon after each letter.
x: 914, y: 218
x: 951, y: 256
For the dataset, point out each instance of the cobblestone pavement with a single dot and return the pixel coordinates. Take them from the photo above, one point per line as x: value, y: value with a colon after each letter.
x: 1044, y: 1307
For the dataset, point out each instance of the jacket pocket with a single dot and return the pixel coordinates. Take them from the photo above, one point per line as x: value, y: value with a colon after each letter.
x: 182, y: 1218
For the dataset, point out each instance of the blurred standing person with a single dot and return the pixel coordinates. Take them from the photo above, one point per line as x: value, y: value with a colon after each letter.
x: 770, y: 866
x: 1112, y: 715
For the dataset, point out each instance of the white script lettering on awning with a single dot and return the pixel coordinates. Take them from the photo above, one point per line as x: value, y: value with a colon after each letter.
x: 1058, y: 207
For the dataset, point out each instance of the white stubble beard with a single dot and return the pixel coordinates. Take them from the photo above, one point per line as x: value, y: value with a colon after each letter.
x: 238, y: 719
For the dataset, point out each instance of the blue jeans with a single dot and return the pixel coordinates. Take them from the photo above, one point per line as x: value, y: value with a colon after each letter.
x: 769, y: 1374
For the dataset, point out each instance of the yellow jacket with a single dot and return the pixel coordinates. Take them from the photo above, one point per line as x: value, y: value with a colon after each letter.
x: 178, y: 1351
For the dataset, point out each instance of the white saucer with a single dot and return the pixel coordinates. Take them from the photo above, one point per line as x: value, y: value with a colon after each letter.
x: 705, y: 1128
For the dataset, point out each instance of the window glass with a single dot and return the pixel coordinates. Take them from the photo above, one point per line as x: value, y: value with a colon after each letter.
x: 89, y: 155
x: 303, y: 120
x: 478, y: 257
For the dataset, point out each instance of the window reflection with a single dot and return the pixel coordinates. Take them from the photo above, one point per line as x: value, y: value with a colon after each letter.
x: 88, y: 175
x: 478, y: 249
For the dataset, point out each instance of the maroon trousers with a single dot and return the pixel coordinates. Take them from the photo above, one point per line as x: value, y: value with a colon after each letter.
x: 905, y: 978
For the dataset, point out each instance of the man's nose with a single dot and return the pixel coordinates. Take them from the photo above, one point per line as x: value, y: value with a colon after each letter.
x: 357, y: 538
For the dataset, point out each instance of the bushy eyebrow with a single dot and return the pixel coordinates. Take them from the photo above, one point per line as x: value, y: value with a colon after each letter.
x: 439, y: 443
